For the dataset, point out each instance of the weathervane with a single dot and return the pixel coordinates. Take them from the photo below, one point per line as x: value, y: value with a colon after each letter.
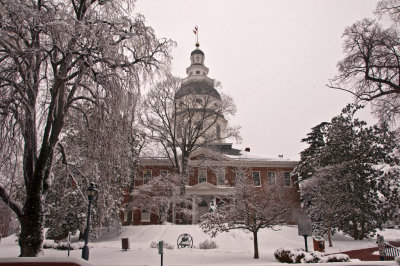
x: 196, y: 32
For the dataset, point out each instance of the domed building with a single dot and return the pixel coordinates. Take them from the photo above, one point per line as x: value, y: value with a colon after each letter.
x: 216, y: 166
x: 197, y: 92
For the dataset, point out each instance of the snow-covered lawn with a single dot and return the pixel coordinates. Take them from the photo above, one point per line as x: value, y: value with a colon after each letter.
x: 234, y: 248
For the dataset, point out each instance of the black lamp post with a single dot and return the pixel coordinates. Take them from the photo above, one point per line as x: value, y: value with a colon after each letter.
x: 91, y: 192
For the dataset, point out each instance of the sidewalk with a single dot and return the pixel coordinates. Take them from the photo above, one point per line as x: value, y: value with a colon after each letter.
x: 367, y: 253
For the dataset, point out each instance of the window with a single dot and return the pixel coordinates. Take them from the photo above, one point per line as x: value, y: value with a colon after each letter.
x: 198, y: 72
x: 198, y: 60
x: 163, y: 172
x: 145, y: 217
x: 286, y: 179
x: 271, y: 178
x: 146, y: 176
x: 125, y: 215
x: 239, y: 177
x: 256, y: 179
x: 202, y: 175
x: 221, y: 177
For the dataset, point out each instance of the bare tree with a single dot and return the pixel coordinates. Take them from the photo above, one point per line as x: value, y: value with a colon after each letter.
x: 371, y: 66
x: 160, y: 195
x: 54, y: 57
x: 249, y: 208
x: 181, y: 125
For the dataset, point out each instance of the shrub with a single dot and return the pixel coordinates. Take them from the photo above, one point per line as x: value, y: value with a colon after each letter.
x: 208, y: 244
x: 337, y: 258
x: 300, y: 256
x: 166, y: 245
x: 289, y: 255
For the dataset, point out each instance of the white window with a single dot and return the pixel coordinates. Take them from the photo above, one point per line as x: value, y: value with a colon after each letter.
x: 221, y: 177
x: 286, y: 179
x: 271, y: 178
x: 202, y: 175
x: 256, y: 179
x: 145, y: 217
x: 146, y: 176
x: 125, y: 215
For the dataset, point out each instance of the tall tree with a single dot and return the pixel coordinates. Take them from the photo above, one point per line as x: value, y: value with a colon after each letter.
x: 371, y: 66
x: 54, y: 57
x: 249, y: 208
x: 353, y: 173
x: 183, y: 125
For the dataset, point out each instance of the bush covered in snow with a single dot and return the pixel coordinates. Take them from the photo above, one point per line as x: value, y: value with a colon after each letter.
x: 47, y: 244
x: 166, y: 245
x: 208, y: 244
x: 300, y: 256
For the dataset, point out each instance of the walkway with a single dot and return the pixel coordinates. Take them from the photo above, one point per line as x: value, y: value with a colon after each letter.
x: 366, y: 254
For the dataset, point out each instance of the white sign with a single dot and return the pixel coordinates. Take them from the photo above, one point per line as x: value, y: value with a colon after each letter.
x: 305, y: 225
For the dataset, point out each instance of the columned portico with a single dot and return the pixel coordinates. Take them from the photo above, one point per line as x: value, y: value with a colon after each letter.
x: 204, y: 198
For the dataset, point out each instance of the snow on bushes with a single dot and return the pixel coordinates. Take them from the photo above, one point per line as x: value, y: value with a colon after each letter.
x: 208, y: 244
x: 300, y: 256
x: 166, y: 245
x: 47, y: 244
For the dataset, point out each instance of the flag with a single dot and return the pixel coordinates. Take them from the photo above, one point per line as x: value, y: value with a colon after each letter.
x: 196, y: 29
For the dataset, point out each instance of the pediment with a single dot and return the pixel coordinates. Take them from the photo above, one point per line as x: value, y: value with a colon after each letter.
x: 206, y: 188
x: 208, y: 155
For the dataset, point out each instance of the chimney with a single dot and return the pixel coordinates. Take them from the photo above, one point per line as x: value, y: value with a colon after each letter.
x: 247, y: 149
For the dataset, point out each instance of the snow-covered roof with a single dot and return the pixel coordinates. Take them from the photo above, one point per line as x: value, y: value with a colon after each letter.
x: 251, y: 156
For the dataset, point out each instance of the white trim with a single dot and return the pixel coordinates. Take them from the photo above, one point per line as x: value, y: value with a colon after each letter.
x: 290, y: 179
x: 142, y: 217
x: 259, y: 178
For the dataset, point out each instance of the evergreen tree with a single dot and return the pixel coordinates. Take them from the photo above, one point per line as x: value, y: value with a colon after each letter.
x: 351, y: 184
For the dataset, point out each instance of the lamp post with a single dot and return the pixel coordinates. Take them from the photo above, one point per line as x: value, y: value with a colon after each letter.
x: 91, y: 192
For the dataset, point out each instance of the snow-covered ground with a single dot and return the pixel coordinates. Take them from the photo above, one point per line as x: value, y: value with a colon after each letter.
x: 234, y: 248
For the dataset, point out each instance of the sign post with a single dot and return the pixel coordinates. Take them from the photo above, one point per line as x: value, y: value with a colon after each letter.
x: 305, y: 228
x: 160, y: 250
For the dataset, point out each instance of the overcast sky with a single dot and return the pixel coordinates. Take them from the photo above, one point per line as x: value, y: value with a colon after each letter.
x: 274, y: 57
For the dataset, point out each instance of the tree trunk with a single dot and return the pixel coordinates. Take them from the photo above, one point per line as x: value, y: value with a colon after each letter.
x: 255, y: 239
x: 329, y: 234
x: 31, y: 237
x: 355, y: 231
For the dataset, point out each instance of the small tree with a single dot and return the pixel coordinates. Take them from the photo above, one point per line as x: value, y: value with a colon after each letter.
x: 250, y: 208
x: 160, y: 195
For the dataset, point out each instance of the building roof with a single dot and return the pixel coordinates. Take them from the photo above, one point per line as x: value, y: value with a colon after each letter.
x: 197, y: 51
x: 195, y: 87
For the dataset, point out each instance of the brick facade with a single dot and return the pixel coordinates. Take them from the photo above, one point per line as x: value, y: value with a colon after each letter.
x: 280, y: 169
